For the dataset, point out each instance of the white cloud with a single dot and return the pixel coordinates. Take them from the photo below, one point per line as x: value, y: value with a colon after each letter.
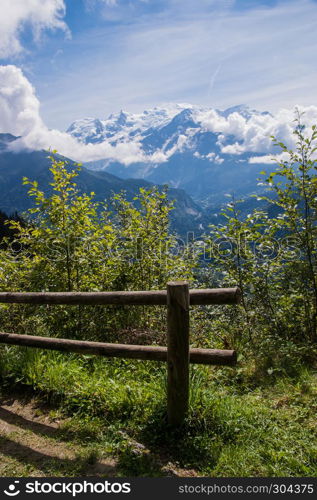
x: 37, y: 14
x: 212, y: 157
x: 269, y: 159
x: 19, y: 106
x: 20, y: 115
x: 253, y: 134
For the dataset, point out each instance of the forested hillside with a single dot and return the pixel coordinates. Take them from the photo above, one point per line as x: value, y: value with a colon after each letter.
x: 15, y: 165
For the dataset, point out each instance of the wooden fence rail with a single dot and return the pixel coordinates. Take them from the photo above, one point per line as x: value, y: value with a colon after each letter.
x: 178, y: 354
x: 152, y: 298
x: 143, y: 352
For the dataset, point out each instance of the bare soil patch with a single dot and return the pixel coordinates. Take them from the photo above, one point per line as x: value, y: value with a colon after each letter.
x: 30, y: 444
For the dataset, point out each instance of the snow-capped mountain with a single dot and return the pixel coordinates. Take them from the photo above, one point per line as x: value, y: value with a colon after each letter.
x: 124, y: 126
x: 205, y: 151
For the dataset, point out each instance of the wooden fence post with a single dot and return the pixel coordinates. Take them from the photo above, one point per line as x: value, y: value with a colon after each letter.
x: 177, y: 351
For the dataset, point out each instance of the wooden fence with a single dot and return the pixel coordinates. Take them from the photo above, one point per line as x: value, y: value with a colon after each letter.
x: 178, y: 354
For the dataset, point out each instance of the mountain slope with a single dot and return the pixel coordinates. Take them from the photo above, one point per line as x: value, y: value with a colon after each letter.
x: 187, y: 215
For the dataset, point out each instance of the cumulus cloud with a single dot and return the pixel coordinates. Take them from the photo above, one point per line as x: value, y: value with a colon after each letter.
x: 18, y: 103
x: 39, y: 15
x: 20, y: 116
x: 252, y: 133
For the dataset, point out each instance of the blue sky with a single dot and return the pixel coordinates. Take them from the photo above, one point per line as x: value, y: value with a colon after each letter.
x: 105, y: 55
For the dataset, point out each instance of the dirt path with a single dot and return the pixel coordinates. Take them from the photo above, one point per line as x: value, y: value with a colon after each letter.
x: 31, y: 445
x: 33, y: 442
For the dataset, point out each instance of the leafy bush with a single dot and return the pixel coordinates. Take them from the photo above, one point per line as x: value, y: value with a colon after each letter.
x: 72, y: 243
x: 271, y: 254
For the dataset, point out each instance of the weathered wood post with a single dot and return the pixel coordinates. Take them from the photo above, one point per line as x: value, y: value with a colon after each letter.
x: 177, y: 351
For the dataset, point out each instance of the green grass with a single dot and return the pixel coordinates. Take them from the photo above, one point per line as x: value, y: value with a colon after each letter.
x: 235, y: 427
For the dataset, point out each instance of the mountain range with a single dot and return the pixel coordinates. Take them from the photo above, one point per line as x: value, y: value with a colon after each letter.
x: 177, y: 147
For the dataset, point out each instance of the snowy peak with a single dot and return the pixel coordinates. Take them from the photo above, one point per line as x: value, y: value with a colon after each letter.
x: 124, y: 126
x: 243, y: 110
x: 185, y: 117
x: 87, y: 130
x: 119, y: 118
